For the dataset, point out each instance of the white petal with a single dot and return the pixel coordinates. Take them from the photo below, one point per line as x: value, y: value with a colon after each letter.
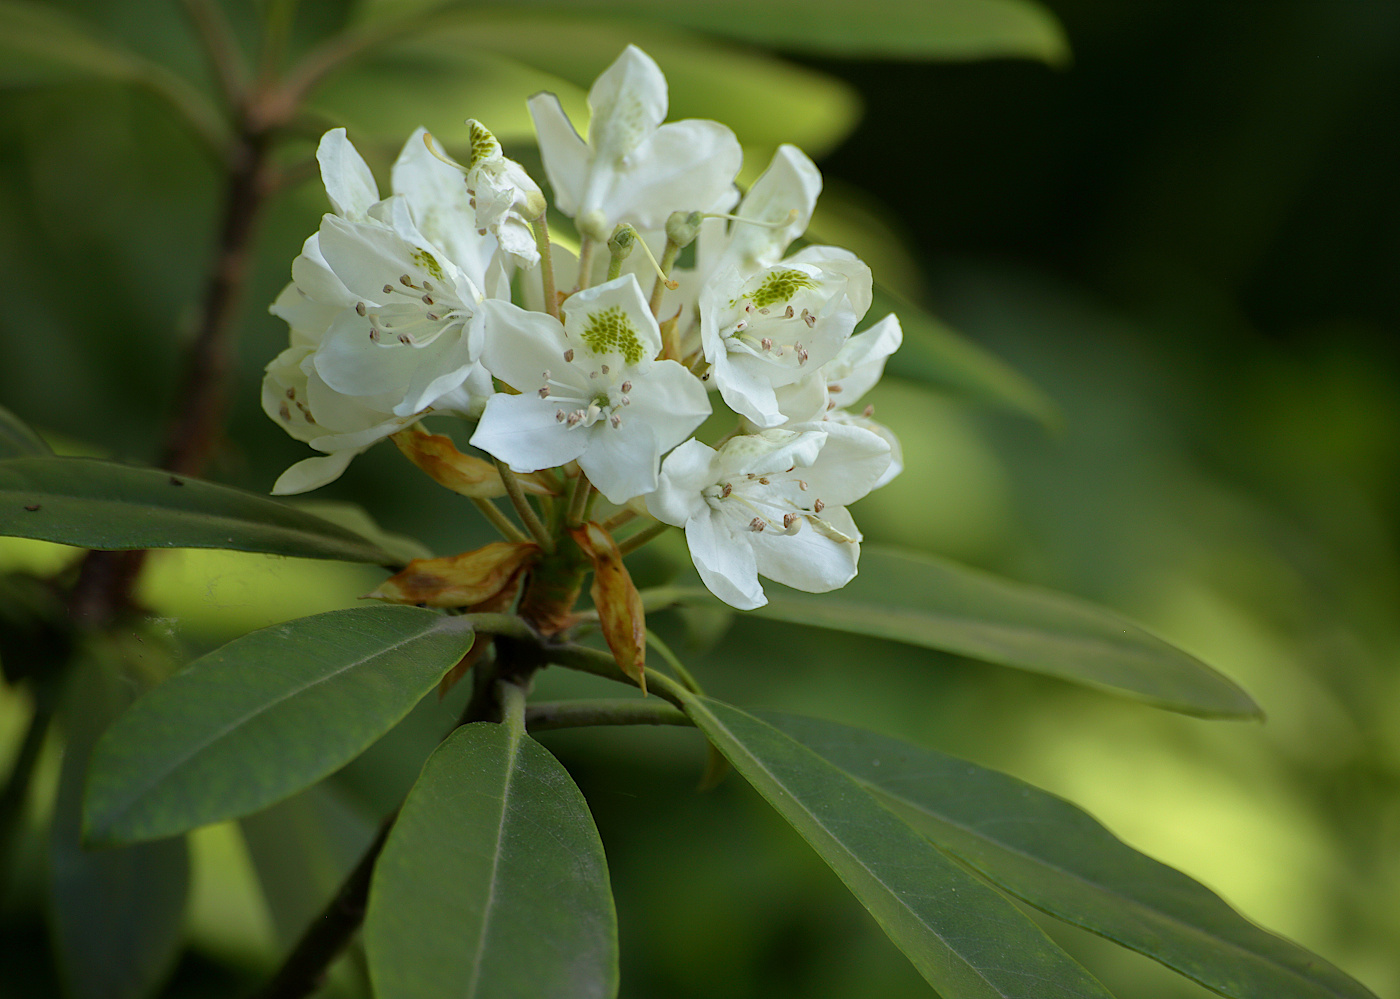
x: 621, y: 461
x: 791, y: 181
x: 803, y: 400
x: 772, y: 451
x: 861, y: 361
x: 851, y: 462
x: 726, y: 563
x: 520, y: 346
x: 613, y: 319
x: 686, y: 166
x: 351, y: 363
x: 880, y: 430
x: 670, y: 400
x: 686, y: 470
x: 566, y: 156
x: 807, y: 560
x: 522, y: 431
x: 312, y: 473
x: 314, y: 276
x: 349, y: 183
x: 437, y: 196
x: 628, y: 101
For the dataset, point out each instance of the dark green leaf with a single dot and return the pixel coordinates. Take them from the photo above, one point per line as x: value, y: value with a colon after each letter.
x: 938, y: 604
x: 934, y: 354
x: 17, y: 440
x: 1050, y: 853
x: 117, y: 914
x: 263, y: 717
x: 963, y: 937
x: 493, y: 882
x: 101, y: 504
x: 919, y: 29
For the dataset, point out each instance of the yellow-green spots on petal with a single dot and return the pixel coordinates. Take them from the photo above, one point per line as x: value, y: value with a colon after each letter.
x: 611, y: 331
x: 779, y: 287
x: 484, y: 144
x: 428, y: 262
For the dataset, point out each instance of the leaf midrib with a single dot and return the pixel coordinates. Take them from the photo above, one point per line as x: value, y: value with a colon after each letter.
x: 487, y: 911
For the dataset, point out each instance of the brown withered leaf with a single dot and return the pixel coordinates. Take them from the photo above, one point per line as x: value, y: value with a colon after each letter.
x: 617, y: 600
x: 436, y: 455
x: 498, y: 604
x: 465, y: 580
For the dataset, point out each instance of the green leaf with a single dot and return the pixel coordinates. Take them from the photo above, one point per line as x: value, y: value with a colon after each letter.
x: 484, y: 63
x: 936, y: 355
x: 102, y: 504
x: 17, y: 440
x: 1056, y: 857
x: 40, y: 44
x: 117, y: 915
x: 357, y: 520
x: 963, y: 937
x: 493, y: 882
x: 263, y: 717
x: 909, y: 29
x: 938, y: 604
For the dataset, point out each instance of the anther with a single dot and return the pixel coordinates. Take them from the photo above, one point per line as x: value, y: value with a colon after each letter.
x: 558, y: 416
x: 763, y: 480
x: 374, y: 334
x: 360, y: 308
x: 285, y: 413
x: 405, y: 338
x: 741, y: 325
x: 810, y: 320
x: 766, y: 343
x: 764, y: 311
x: 544, y: 391
x: 728, y: 488
x: 575, y: 417
x: 626, y: 387
x: 427, y: 286
x: 291, y: 393
x: 624, y: 401
x: 388, y: 289
x: 818, y: 506
x: 801, y: 353
x: 427, y: 299
x: 869, y: 412
x: 432, y: 316
x: 833, y: 388
x: 801, y: 484
x: 605, y: 369
x: 757, y: 524
x: 615, y: 420
x: 569, y: 355
x: 789, y: 519
x: 789, y: 313
x: 405, y: 280
x: 546, y: 375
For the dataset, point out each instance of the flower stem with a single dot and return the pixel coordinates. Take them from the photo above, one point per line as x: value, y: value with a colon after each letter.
x: 686, y: 678
x: 499, y: 520
x: 578, y: 499
x: 603, y: 711
x: 629, y: 545
x: 585, y: 262
x: 622, y: 516
x: 523, y: 509
x: 600, y: 662
x: 668, y: 260
x: 540, y: 227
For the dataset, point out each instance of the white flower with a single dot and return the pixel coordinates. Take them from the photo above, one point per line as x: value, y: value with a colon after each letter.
x: 771, y: 504
x: 775, y: 327
x: 843, y: 381
x: 504, y: 196
x: 633, y: 168
x: 590, y: 390
x: 296, y: 397
x: 412, y: 331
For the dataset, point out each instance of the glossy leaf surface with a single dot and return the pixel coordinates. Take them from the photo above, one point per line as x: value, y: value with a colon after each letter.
x: 263, y: 717
x: 1058, y: 858
x: 106, y: 505
x: 493, y: 882
x: 938, y: 604
x: 963, y: 937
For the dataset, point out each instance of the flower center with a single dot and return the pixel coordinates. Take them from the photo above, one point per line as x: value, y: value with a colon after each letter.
x: 415, y: 313
x: 773, y: 502
x: 586, y: 399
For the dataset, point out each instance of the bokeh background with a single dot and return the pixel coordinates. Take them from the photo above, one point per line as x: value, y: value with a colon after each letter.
x: 1183, y: 231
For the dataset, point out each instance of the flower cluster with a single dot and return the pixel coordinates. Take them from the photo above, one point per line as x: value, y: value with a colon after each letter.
x: 441, y: 298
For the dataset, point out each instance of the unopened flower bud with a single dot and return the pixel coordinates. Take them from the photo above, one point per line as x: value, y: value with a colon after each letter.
x: 683, y: 227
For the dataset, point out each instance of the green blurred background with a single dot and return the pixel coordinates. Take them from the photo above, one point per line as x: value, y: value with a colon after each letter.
x: 1187, y: 235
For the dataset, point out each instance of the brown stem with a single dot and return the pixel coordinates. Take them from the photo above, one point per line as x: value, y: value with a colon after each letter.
x: 203, y: 394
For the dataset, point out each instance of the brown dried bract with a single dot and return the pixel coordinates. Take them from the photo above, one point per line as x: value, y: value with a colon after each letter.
x: 618, y: 603
x: 436, y: 455
x: 465, y: 580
